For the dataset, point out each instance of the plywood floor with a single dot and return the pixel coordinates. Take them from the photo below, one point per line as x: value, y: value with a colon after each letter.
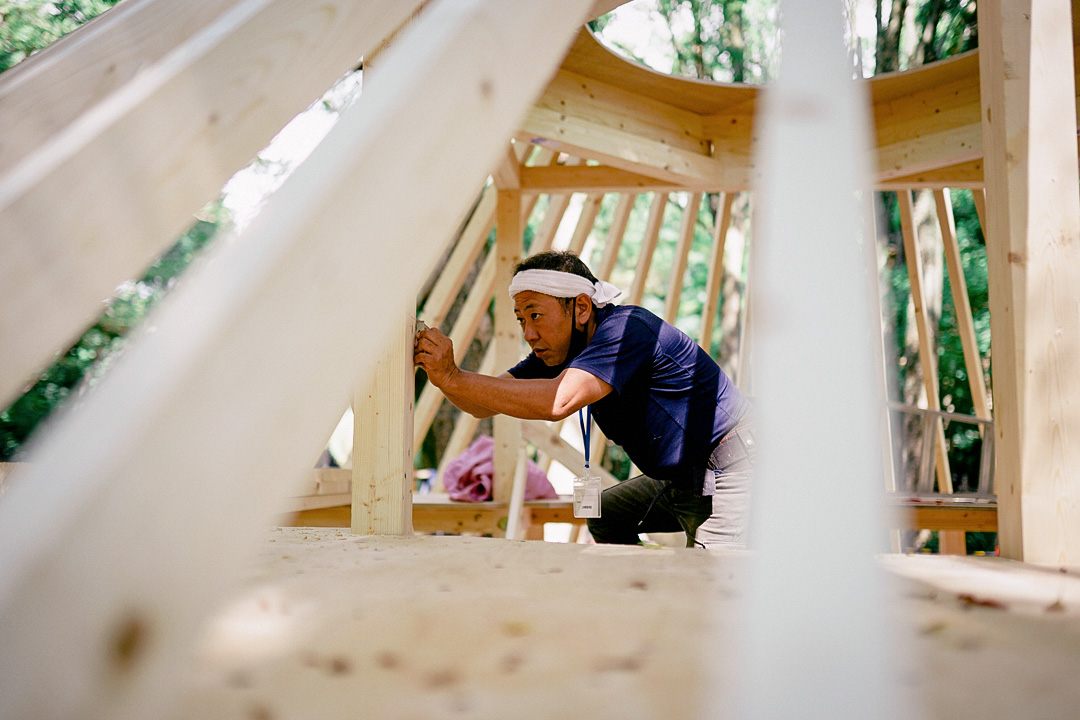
x: 327, y: 625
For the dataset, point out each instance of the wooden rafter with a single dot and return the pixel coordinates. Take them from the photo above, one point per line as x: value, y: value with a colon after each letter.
x: 716, y: 272
x: 238, y: 387
x: 927, y: 350
x: 190, y: 124
x: 965, y: 324
x: 648, y: 246
x: 682, y: 252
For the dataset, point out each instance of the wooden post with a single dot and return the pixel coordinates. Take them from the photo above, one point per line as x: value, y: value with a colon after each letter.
x: 716, y: 272
x: 965, y: 324
x: 382, y: 472
x: 615, y: 235
x: 507, y: 338
x: 648, y: 246
x: 927, y: 354
x: 814, y: 369
x: 1029, y: 144
x: 682, y: 252
x: 586, y: 221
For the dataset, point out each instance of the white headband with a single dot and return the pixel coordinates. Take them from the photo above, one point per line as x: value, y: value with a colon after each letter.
x: 563, y: 285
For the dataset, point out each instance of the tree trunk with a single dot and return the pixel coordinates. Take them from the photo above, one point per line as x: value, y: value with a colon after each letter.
x: 887, y: 56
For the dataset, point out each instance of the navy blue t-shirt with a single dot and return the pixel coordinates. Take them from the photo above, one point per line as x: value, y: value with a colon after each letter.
x: 670, y: 402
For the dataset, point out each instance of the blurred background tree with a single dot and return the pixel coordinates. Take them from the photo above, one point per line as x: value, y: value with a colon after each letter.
x: 26, y: 26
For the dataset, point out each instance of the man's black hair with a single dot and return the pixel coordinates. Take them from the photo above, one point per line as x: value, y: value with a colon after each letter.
x: 561, y: 260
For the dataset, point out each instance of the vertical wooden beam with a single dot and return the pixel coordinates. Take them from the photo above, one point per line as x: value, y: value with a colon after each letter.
x: 716, y: 272
x: 1029, y: 136
x: 507, y: 338
x: 382, y: 474
x: 814, y: 370
x: 927, y: 352
x: 648, y: 247
x: 586, y: 221
x: 682, y: 252
x: 615, y: 235
x: 978, y: 196
x: 965, y: 324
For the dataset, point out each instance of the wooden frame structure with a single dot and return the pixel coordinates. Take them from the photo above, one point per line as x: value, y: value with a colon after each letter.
x: 148, y: 131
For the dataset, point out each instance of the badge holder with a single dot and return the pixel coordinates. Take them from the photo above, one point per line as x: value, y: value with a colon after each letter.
x: 586, y: 488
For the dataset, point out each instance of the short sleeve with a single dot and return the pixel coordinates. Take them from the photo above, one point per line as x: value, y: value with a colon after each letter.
x: 620, y: 349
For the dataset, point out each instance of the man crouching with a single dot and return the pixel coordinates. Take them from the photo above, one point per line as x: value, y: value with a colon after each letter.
x: 651, y: 388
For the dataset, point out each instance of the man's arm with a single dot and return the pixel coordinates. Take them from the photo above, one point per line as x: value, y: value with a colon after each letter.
x: 539, y: 399
x: 473, y: 408
x: 483, y: 396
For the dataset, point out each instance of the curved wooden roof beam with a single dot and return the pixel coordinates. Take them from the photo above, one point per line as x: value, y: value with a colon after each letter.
x: 652, y: 131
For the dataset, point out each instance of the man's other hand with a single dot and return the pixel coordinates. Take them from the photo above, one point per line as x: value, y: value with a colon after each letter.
x: 434, y: 352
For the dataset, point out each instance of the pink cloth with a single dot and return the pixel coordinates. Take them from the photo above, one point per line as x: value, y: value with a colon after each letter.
x: 468, y: 476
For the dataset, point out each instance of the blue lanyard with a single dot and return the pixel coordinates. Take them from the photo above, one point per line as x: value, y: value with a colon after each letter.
x: 586, y: 433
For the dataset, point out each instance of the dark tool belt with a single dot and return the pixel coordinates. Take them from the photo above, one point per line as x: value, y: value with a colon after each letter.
x: 737, y: 445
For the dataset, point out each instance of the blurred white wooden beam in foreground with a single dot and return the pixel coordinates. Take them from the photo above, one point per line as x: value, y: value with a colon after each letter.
x: 816, y: 643
x: 119, y: 541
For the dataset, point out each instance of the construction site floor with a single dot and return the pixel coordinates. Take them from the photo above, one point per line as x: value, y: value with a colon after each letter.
x: 328, y: 625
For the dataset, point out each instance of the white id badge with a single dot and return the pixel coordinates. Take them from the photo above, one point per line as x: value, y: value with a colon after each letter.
x: 587, y: 497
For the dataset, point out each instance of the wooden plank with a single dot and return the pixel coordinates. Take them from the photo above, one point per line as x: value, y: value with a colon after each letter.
x: 50, y: 89
x: 965, y: 324
x: 946, y: 518
x: 317, y: 502
x: 648, y: 247
x: 265, y: 340
x: 339, y: 516
x: 716, y: 272
x: 615, y: 234
x: 979, y: 198
x: 617, y: 127
x: 590, y: 178
x: 931, y: 125
x: 186, y: 124
x: 507, y: 336
x: 382, y: 460
x: 814, y: 370
x: 326, y: 481
x: 586, y: 221
x: 927, y: 353
x: 682, y: 252
x: 1033, y: 209
x: 547, y: 440
x: 962, y: 175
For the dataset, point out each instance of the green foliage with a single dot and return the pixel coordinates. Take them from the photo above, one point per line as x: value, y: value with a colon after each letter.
x: 78, y: 369
x: 29, y: 25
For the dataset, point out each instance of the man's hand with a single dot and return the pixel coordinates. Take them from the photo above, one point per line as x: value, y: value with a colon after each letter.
x: 434, y: 352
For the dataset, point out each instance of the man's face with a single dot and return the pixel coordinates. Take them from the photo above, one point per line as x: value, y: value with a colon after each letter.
x: 545, y: 324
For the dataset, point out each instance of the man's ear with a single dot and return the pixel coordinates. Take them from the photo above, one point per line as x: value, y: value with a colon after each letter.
x: 582, y: 309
